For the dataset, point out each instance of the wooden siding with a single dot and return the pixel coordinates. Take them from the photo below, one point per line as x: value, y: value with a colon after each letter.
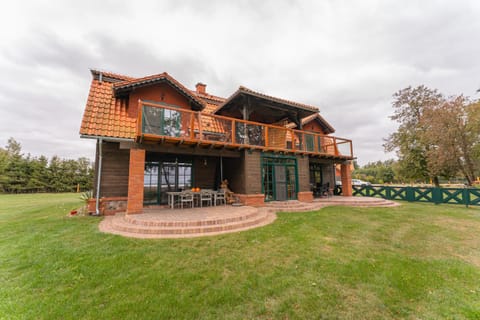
x: 115, y: 164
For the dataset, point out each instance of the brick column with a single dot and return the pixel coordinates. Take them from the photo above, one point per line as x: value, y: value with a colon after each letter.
x: 135, y: 181
x: 346, y: 179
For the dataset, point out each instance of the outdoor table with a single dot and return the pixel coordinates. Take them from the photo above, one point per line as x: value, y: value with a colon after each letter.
x: 196, y: 195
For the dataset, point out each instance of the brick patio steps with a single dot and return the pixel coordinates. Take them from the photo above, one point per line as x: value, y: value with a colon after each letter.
x: 187, y: 223
x: 293, y: 206
x: 184, y: 223
x: 356, y: 201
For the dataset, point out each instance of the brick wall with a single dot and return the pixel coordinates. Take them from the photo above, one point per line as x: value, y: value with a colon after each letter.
x: 254, y: 200
x: 135, y: 181
x: 346, y: 179
x: 253, y: 172
x: 303, y: 174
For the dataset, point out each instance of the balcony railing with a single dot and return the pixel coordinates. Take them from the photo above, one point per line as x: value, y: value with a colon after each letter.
x: 169, y: 123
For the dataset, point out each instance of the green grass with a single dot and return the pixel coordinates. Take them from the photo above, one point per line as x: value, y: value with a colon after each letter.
x: 417, y: 261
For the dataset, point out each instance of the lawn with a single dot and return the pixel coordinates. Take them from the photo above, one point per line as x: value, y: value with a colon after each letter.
x: 416, y: 261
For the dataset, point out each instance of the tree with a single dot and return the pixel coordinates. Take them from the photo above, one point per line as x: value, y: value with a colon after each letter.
x: 408, y: 141
x: 452, y: 130
x: 20, y: 173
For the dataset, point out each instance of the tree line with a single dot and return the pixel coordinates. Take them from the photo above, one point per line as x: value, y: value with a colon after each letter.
x: 438, y: 138
x: 21, y: 173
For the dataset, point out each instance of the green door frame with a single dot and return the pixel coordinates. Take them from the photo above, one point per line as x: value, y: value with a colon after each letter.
x: 265, y: 162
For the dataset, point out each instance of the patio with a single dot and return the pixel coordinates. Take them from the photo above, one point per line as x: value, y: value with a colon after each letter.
x: 161, y: 222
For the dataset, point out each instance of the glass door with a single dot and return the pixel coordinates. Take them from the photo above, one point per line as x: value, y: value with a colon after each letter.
x: 279, y: 178
x: 161, y: 177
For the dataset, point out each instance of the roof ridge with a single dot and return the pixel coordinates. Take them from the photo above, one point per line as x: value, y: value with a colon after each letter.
x: 111, y: 74
x: 303, y: 105
x: 208, y: 96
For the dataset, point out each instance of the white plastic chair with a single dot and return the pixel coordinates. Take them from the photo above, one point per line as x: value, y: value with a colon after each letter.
x: 220, y: 196
x: 186, y: 197
x: 205, y: 196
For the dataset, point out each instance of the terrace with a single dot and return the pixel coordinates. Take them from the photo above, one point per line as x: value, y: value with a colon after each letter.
x: 158, y: 122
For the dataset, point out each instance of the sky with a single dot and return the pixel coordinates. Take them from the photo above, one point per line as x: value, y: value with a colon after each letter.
x: 346, y: 57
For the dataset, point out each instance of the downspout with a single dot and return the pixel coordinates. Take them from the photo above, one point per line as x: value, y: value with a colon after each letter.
x: 99, y: 175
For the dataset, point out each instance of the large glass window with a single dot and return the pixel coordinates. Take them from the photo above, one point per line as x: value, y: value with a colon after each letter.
x: 162, y: 177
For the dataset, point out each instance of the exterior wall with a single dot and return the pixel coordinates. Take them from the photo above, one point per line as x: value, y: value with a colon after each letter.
x: 161, y: 92
x: 252, y: 172
x: 313, y: 126
x: 233, y: 172
x: 303, y: 174
x: 204, y: 174
x: 115, y: 162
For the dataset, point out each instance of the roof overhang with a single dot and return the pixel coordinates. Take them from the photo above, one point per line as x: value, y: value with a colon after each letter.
x: 275, y: 108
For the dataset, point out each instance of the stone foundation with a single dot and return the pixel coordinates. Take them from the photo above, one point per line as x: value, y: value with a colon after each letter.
x: 108, y: 206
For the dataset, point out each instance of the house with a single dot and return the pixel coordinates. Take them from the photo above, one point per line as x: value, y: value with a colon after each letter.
x: 154, y: 135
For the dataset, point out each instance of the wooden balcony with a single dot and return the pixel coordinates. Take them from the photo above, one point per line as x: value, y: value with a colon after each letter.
x: 169, y: 124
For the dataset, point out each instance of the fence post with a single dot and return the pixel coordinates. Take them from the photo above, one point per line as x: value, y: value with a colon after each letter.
x: 437, y: 195
x: 388, y: 193
x: 466, y: 196
x: 409, y: 194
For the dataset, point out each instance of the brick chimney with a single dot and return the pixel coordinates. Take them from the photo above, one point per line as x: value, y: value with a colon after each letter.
x: 201, y: 87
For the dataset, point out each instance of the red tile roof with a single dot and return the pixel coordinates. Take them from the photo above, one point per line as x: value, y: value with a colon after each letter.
x: 107, y: 116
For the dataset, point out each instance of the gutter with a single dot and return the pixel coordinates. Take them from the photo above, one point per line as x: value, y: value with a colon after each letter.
x: 106, y: 138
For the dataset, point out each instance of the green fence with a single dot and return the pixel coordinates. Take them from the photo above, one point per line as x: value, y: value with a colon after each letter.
x: 465, y: 196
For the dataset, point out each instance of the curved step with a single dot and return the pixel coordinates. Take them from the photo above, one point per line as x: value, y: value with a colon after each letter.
x: 148, y: 219
x: 120, y: 224
x: 357, y: 202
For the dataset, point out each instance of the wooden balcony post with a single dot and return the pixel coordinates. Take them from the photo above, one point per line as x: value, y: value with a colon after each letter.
x: 266, y: 136
x: 200, y: 131
x: 139, y: 119
x: 192, y: 126
x: 234, y: 138
x: 335, y: 146
x: 292, y: 136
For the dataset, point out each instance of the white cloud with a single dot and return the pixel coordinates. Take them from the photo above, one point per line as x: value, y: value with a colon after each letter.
x: 346, y: 57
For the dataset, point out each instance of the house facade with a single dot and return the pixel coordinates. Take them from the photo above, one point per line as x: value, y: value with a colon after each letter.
x: 154, y: 136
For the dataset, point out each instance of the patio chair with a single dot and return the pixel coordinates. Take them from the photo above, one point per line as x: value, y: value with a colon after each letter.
x: 206, y: 196
x: 326, y: 190
x: 186, y: 197
x: 220, y: 197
